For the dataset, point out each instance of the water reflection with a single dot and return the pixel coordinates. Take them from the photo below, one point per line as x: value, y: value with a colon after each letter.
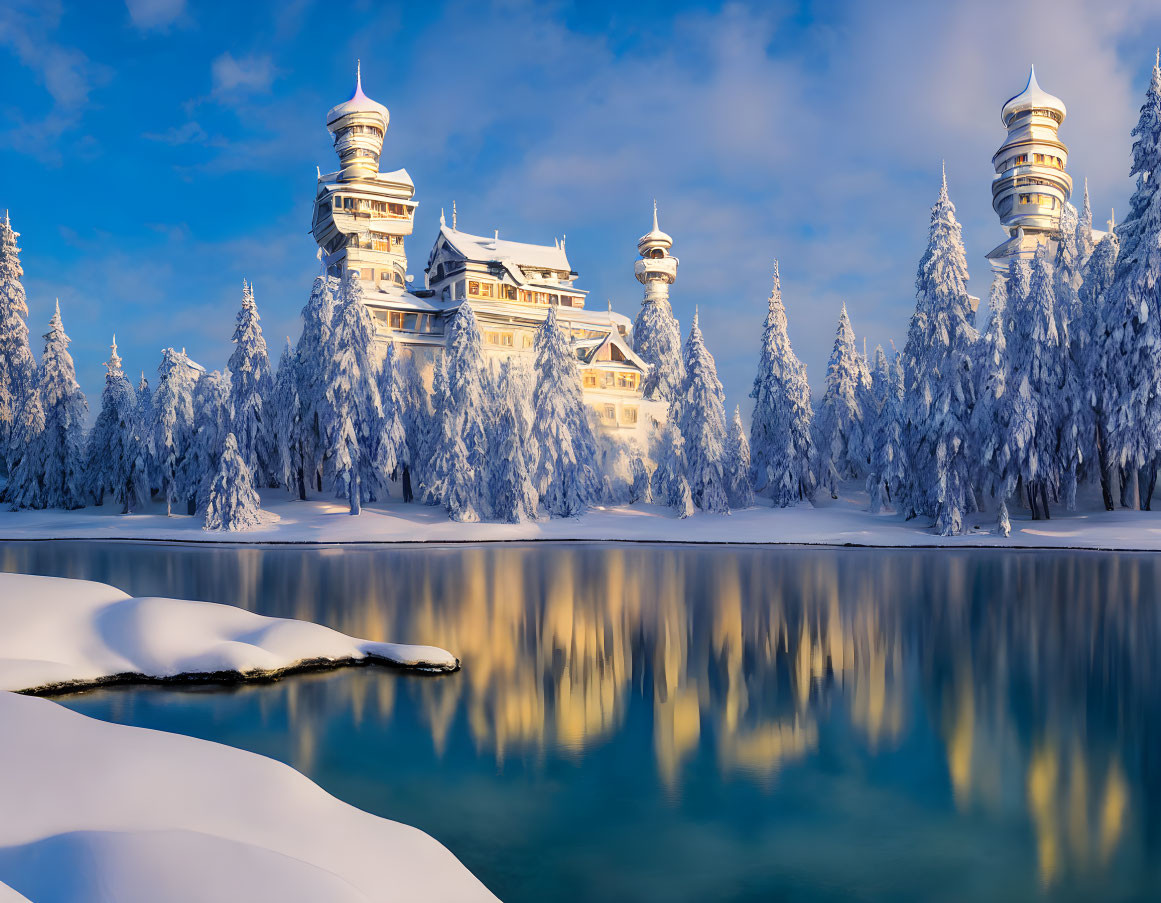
x: 1006, y: 688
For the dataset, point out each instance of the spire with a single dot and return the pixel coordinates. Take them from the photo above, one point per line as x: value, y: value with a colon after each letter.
x: 358, y: 76
x: 655, y: 228
x: 453, y: 214
x: 943, y: 188
x: 442, y: 221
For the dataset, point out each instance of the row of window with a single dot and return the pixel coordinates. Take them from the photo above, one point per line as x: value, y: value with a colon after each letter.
x: 396, y: 319
x: 608, y: 414
x: 359, y: 153
x: 605, y: 379
x: 376, y: 242
x: 360, y: 130
x: 1040, y: 200
x: 480, y: 289
x: 1042, y: 159
x: 367, y: 274
x: 375, y: 208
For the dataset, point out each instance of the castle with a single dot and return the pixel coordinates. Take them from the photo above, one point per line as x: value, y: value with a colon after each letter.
x: 362, y: 218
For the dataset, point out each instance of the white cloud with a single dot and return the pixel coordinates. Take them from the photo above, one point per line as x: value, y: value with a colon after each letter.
x: 248, y: 75
x: 154, y: 14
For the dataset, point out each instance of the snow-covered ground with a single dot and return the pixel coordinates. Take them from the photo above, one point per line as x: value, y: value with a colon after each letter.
x: 828, y: 522
x: 102, y: 812
x: 56, y: 632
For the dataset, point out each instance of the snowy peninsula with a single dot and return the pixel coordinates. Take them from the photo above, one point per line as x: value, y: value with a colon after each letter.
x: 145, y: 815
x: 59, y: 634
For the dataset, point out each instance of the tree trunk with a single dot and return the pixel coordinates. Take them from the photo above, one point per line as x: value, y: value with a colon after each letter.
x: 300, y: 478
x: 1044, y: 498
x: 191, y: 506
x: 1133, y: 489
x: 1103, y: 463
x: 1150, y: 483
x: 318, y: 480
x: 353, y: 492
x: 168, y: 499
x: 408, y: 495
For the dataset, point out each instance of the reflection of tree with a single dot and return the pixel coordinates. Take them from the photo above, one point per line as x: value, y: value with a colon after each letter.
x: 1038, y: 673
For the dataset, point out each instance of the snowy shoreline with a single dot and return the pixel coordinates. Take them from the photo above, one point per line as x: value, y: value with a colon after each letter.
x: 841, y: 523
x: 59, y: 635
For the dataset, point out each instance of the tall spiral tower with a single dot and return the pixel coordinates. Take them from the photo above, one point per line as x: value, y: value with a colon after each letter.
x: 1031, y: 186
x: 657, y: 268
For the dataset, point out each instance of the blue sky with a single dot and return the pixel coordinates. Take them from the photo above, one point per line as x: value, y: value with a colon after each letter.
x: 157, y: 152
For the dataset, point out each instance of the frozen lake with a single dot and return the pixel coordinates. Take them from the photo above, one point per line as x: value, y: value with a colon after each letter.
x: 693, y: 723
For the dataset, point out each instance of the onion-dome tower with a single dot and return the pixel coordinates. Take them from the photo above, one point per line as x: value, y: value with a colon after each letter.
x: 362, y: 215
x: 657, y: 268
x: 1030, y: 187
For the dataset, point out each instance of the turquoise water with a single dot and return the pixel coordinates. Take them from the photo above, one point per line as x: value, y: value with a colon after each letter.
x: 699, y: 723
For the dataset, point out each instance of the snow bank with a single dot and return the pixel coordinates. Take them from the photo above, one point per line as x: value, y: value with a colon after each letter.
x: 102, y: 812
x: 58, y: 633
x: 842, y: 522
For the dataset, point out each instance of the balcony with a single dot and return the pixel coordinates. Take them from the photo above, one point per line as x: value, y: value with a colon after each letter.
x: 654, y: 266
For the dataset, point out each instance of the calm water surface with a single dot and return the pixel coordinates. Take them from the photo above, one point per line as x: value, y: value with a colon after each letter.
x: 668, y: 723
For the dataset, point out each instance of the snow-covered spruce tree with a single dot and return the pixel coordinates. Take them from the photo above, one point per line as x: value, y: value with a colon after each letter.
x: 1075, y: 432
x: 939, y: 391
x: 991, y: 417
x: 418, y: 426
x: 639, y: 488
x: 145, y: 419
x: 17, y: 366
x: 393, y: 398
x: 513, y: 497
x: 115, y: 463
x: 839, y: 427
x: 211, y: 424
x: 880, y: 382
x: 51, y: 470
x: 781, y: 440
x: 233, y: 503
x: 657, y: 340
x: 564, y: 472
x: 888, y: 460
x: 25, y: 487
x: 172, y: 426
x: 310, y: 367
x: 467, y: 404
x: 1084, y: 239
x: 1037, y: 409
x: 738, y: 489
x: 1135, y: 434
x: 702, y: 421
x: 670, y: 485
x: 437, y: 450
x: 353, y: 424
x: 250, y: 390
x: 1096, y: 355
x: 289, y: 467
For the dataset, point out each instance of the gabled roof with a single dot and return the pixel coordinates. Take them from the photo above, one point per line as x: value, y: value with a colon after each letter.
x: 497, y: 250
x: 588, y: 349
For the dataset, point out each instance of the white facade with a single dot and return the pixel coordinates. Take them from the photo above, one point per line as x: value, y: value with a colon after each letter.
x: 361, y: 220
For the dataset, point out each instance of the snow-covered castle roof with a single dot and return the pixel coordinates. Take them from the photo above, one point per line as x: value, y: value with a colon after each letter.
x: 486, y: 249
x: 1032, y: 97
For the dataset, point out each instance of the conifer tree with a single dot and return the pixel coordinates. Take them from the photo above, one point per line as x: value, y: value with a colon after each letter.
x: 671, y: 487
x: 393, y: 397
x: 657, y: 341
x: 1097, y: 355
x: 250, y: 390
x: 211, y: 424
x: 738, y: 489
x: 888, y: 459
x: 991, y: 417
x: 1084, y: 237
x: 839, y: 427
x: 51, y: 469
x: 564, y: 472
x: 172, y: 426
x: 939, y: 391
x: 26, y: 486
x: 17, y: 366
x: 145, y: 420
x: 880, y: 383
x: 781, y: 441
x: 702, y: 421
x: 289, y: 466
x: 311, y: 361
x: 418, y: 425
x: 233, y: 503
x: 514, y: 497
x: 1135, y: 434
x: 439, y: 453
x: 1037, y: 412
x: 353, y: 428
x: 115, y: 461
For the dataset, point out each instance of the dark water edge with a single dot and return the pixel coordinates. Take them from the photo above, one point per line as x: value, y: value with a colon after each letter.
x: 688, y: 723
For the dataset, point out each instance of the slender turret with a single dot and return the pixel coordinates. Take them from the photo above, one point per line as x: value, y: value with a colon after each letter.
x: 657, y: 268
x: 1030, y: 187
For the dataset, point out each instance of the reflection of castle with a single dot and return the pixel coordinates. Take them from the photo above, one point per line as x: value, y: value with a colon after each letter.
x: 361, y: 221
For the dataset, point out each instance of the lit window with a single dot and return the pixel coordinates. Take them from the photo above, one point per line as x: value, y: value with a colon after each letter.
x: 590, y: 379
x: 628, y: 415
x: 396, y: 319
x: 610, y: 413
x: 474, y: 289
